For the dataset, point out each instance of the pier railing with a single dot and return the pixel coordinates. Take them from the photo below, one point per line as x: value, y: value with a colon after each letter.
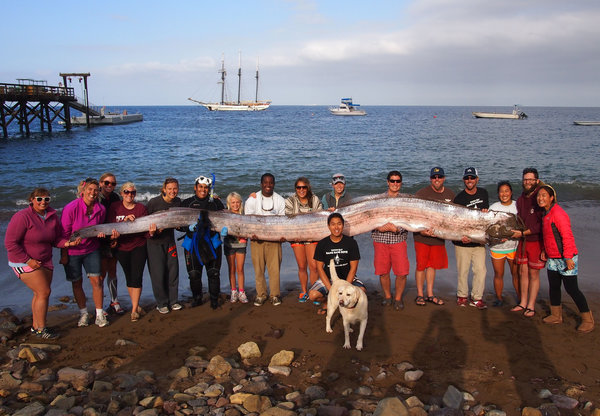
x: 16, y: 92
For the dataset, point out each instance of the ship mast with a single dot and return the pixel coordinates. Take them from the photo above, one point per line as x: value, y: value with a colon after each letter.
x: 222, y: 82
x: 239, y: 77
x: 256, y: 96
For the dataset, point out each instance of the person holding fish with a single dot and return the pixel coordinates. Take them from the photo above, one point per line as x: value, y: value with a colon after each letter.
x: 338, y: 195
x: 83, y: 212
x: 163, y: 263
x: 30, y: 236
x: 235, y: 253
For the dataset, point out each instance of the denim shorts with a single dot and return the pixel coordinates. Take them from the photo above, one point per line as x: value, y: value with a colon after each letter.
x: 90, y: 262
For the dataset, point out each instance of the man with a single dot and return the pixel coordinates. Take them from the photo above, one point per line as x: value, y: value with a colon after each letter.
x: 431, y: 251
x: 210, y: 256
x: 266, y: 253
x: 338, y: 195
x: 530, y: 243
x: 470, y: 254
x: 389, y: 246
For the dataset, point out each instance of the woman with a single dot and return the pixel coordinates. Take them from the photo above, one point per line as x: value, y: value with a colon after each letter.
x: 131, y: 248
x: 562, y: 259
x: 108, y: 255
x: 30, y: 236
x: 163, y: 263
x: 301, y: 202
x: 83, y: 212
x: 506, y: 251
x: 235, y: 253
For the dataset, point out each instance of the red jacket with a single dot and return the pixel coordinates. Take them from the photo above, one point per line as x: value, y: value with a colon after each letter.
x: 556, y: 229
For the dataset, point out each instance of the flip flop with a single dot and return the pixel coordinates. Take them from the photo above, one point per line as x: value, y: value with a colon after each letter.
x: 529, y: 313
x: 517, y: 308
x: 435, y: 300
x: 420, y: 301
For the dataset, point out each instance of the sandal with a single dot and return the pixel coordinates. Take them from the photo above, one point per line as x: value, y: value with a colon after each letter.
x: 303, y: 297
x: 386, y: 302
x: 322, y: 311
x: 517, y: 308
x: 435, y: 300
x: 420, y: 301
x: 529, y: 313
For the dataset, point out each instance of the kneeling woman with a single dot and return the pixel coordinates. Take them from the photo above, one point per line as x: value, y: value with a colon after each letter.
x: 561, y: 252
x: 344, y: 251
x: 131, y: 248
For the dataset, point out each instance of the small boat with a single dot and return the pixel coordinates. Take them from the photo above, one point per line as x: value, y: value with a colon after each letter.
x: 516, y: 114
x: 347, y: 108
x: 238, y: 105
x: 587, y: 123
x: 107, y: 118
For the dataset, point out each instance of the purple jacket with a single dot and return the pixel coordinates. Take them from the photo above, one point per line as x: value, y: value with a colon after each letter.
x: 28, y: 236
x: 74, y: 218
x: 531, y: 214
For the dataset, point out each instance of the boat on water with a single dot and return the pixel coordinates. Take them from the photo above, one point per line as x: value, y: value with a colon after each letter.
x: 516, y: 114
x: 347, y: 108
x: 238, y: 105
x: 587, y: 123
x: 107, y: 118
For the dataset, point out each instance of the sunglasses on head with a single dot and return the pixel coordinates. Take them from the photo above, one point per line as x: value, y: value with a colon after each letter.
x: 107, y: 183
x: 42, y: 198
x: 127, y: 192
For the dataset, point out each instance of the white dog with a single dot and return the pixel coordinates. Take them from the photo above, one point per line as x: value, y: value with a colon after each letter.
x: 352, y: 302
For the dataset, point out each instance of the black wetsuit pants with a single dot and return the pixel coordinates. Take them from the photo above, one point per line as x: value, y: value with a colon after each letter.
x: 213, y: 273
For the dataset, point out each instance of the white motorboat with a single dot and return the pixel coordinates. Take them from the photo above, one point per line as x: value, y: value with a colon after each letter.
x: 516, y: 114
x: 587, y: 123
x: 107, y: 118
x: 347, y: 108
x: 238, y: 105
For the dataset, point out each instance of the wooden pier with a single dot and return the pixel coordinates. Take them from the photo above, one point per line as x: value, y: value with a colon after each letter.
x: 30, y: 101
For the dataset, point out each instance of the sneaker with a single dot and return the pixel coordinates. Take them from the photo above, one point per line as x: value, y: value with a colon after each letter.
x: 46, y: 333
x: 84, y: 320
x: 116, y: 307
x: 460, y: 301
x: 242, y: 297
x: 234, y: 296
x: 176, y: 307
x: 276, y: 301
x: 479, y: 304
x: 259, y: 300
x: 101, y: 321
x: 303, y: 297
x: 497, y: 303
x: 162, y: 309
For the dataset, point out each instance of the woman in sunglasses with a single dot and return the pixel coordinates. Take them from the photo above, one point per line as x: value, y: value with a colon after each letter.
x: 301, y: 202
x: 131, y: 248
x: 107, y: 197
x: 30, y: 236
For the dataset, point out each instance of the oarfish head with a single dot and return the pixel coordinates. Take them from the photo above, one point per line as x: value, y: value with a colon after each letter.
x: 503, y: 229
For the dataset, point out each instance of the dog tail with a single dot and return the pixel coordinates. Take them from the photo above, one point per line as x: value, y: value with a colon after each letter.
x: 332, y: 271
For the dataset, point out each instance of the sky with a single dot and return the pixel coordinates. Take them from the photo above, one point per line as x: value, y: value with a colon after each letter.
x: 312, y: 52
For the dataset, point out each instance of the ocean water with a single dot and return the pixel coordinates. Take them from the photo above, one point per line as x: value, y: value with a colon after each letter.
x: 292, y: 141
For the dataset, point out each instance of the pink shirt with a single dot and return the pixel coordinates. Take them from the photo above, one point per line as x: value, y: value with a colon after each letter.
x: 74, y: 217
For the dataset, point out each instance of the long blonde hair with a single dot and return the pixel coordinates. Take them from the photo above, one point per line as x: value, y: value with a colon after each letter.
x: 84, y: 183
x: 235, y: 195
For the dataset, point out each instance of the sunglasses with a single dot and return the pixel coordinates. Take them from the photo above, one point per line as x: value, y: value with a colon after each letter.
x: 301, y: 187
x: 42, y: 198
x: 107, y: 183
x: 340, y: 178
x: 437, y: 177
x: 394, y: 180
x: 128, y: 192
x: 469, y: 178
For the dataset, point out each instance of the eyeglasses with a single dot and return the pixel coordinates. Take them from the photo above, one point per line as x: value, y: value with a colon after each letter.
x: 301, y: 187
x: 395, y: 180
x: 107, y: 183
x: 469, y: 178
x: 127, y: 192
x: 42, y: 198
x: 437, y: 177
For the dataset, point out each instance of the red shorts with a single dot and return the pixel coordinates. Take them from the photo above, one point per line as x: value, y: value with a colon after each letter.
x: 390, y: 256
x: 529, y: 254
x: 430, y: 256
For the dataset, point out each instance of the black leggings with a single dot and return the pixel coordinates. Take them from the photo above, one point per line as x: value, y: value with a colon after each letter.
x: 133, y: 263
x: 570, y: 282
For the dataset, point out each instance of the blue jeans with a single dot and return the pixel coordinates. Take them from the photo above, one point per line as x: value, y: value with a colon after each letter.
x: 90, y: 262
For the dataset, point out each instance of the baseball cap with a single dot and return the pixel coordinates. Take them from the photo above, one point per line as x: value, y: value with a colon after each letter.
x: 437, y: 171
x: 337, y: 178
x: 470, y: 172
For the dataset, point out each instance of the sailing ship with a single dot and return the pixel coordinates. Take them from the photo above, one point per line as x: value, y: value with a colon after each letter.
x: 238, y: 105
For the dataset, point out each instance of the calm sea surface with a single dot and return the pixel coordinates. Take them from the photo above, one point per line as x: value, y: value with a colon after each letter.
x: 291, y: 141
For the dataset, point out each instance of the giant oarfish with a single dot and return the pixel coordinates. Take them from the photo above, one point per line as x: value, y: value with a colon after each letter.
x: 446, y: 220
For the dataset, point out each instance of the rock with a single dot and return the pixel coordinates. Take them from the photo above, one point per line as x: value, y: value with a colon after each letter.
x: 549, y: 409
x: 282, y: 358
x: 194, y: 361
x: 221, y: 402
x: 355, y: 412
x: 277, y: 411
x: 496, y: 412
x: 101, y: 386
x: 180, y: 373
x: 564, y: 402
x: 182, y: 397
x: 286, y: 405
x: 31, y: 355
x: 257, y: 387
x: 238, y: 398
x: 413, y: 375
x: 366, y: 405
x: 364, y: 391
x: 214, y: 391
x: 256, y: 403
x: 249, y: 350
x: 391, y: 406
x: 149, y: 402
x: 417, y: 411
x: 315, y: 392
x: 332, y: 411
x: 280, y: 369
x: 530, y: 411
x: 453, y: 398
x: 237, y: 374
x: 31, y: 387
x: 218, y: 367
x: 403, y: 389
x: 197, y: 390
x: 79, y: 379
x: 57, y: 412
x: 413, y: 401
x: 7, y: 381
x: 574, y: 392
x: 43, y: 347
x: 148, y: 412
x: 128, y: 398
x: 198, y: 350
x: 33, y: 409
x: 544, y: 394
x: 125, y: 343
x: 596, y: 412
x: 404, y: 365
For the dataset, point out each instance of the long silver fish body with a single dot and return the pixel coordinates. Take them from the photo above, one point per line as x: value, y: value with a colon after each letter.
x: 361, y: 215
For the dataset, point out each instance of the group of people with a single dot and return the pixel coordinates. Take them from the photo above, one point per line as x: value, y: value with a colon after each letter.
x: 546, y: 240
